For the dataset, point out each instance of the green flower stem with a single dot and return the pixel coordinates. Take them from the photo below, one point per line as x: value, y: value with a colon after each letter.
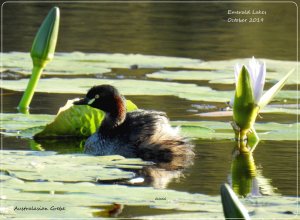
x: 42, y: 52
x: 28, y: 94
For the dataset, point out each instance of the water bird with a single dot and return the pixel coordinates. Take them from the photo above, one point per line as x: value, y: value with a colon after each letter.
x: 146, y: 134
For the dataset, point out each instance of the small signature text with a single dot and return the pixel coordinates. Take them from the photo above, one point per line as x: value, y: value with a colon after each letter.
x: 246, y: 16
x: 160, y: 198
x: 39, y: 208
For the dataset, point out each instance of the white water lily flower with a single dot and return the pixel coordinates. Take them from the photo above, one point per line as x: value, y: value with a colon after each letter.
x: 257, y: 73
x: 248, y: 99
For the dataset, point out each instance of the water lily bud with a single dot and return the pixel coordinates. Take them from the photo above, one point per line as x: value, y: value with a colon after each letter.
x: 245, y: 109
x: 42, y: 52
x: 44, y: 44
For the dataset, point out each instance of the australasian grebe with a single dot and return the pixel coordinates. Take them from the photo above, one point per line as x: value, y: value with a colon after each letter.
x: 140, y: 133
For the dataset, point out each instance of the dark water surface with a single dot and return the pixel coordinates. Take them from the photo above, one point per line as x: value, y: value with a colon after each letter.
x: 194, y: 30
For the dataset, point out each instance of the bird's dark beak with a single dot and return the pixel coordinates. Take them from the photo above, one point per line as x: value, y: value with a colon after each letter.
x: 84, y: 101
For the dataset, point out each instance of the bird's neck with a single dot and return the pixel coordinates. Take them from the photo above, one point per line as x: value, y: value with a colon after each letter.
x: 115, y: 117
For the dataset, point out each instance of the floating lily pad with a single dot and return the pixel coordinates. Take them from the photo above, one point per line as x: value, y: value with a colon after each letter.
x: 76, y: 121
x: 91, y: 195
x: 21, y: 63
x: 223, y: 130
x: 88, y: 195
x: 270, y: 109
x: 193, y: 129
x: 191, y: 75
x: 72, y: 121
x: 35, y: 166
x: 126, y: 87
x: 85, y: 63
x: 14, y: 122
x: 92, y: 63
x: 134, y: 87
x: 225, y: 76
x: 276, y: 69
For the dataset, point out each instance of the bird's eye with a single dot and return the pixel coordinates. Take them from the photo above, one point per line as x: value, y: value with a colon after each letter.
x: 97, y: 96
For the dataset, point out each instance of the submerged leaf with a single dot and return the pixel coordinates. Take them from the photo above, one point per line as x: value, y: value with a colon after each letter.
x: 76, y: 121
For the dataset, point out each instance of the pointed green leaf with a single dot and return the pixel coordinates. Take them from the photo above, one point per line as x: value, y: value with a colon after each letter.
x: 232, y: 207
x: 268, y: 96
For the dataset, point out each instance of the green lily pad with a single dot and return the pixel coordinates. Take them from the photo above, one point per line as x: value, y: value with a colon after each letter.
x: 35, y: 166
x: 79, y: 121
x: 270, y: 109
x: 21, y: 63
x: 78, y: 63
x: 221, y: 72
x: 76, y: 121
x: 25, y: 126
x: 191, y: 75
x: 91, y: 63
x: 223, y: 130
x: 85, y: 196
x: 134, y: 87
x: 276, y: 69
x: 126, y: 87
x: 15, y: 122
x: 90, y: 195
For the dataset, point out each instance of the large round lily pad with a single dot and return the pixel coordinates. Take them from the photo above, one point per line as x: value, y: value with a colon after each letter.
x: 134, y: 87
x: 35, y: 166
x: 86, y: 198
x: 27, y: 126
x: 76, y: 121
